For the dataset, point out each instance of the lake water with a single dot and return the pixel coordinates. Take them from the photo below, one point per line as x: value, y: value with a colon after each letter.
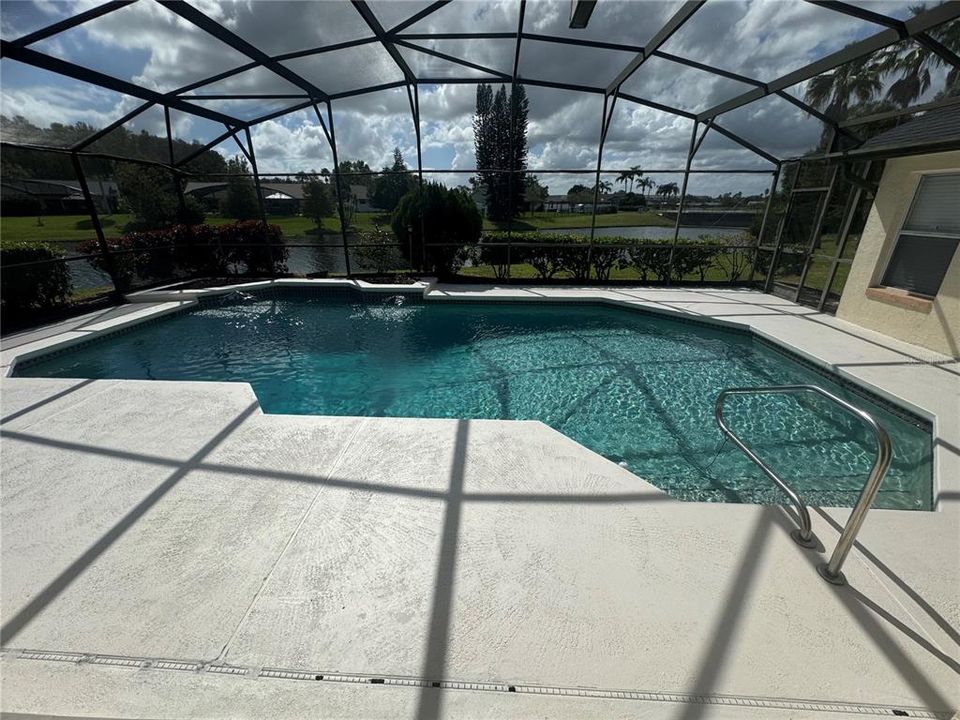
x: 319, y: 259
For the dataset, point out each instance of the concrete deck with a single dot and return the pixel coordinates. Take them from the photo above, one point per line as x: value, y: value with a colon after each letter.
x: 170, y: 551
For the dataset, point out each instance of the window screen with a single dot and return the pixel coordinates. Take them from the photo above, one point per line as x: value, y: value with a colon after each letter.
x: 929, y: 238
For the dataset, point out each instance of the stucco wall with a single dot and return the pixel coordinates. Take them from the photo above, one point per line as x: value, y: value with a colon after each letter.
x: 936, y: 327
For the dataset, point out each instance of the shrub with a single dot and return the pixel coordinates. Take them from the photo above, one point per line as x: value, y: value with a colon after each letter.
x: 377, y: 249
x: 244, y: 243
x: 34, y: 287
x: 192, y: 212
x: 647, y: 261
x: 192, y: 250
x: 700, y: 257
x: 738, y: 258
x: 605, y: 258
x: 449, y: 218
x: 493, y: 251
x: 557, y: 252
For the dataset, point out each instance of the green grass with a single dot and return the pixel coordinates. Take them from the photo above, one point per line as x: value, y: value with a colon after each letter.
x: 73, y: 228
x: 557, y: 221
x: 59, y: 227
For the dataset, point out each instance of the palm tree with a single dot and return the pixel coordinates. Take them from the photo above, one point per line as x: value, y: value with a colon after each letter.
x: 627, y: 176
x: 645, y: 184
x: 858, y: 80
x: 913, y: 63
x: 604, y: 187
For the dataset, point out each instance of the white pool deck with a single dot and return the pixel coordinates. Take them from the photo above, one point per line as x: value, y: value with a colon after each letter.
x: 170, y: 551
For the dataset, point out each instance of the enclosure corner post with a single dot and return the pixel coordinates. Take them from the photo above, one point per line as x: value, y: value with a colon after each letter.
x: 109, y: 261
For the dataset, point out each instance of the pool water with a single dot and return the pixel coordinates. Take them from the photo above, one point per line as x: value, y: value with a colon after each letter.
x: 635, y: 387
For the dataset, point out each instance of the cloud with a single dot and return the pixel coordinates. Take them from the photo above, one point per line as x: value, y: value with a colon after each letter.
x: 762, y: 39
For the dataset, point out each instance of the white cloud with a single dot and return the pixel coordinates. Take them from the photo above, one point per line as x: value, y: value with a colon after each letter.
x: 758, y: 38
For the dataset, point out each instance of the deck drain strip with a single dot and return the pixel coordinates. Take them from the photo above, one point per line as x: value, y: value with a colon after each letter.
x: 197, y: 666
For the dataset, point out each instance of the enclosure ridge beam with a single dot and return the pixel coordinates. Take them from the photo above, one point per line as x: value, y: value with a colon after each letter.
x: 213, y: 143
x: 822, y: 117
x: 371, y: 20
x: 417, y: 17
x: 745, y: 143
x: 214, y: 28
x: 863, y: 14
x: 599, y: 44
x: 203, y: 82
x: 111, y: 127
x: 99, y: 155
x: 247, y: 96
x: 662, y: 35
x: 457, y: 36
x: 346, y: 45
x: 451, y: 58
x: 71, y: 22
x: 656, y: 106
x: 922, y: 22
x: 77, y: 72
x: 935, y: 46
x: 333, y: 96
x: 679, y: 59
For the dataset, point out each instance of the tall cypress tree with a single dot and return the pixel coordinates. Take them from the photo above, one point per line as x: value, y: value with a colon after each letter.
x: 519, y: 107
x: 500, y: 139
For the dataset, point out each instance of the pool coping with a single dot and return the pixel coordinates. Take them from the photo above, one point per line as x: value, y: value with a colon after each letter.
x: 934, y: 406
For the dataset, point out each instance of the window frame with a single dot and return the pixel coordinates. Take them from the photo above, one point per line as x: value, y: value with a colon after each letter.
x: 901, y: 230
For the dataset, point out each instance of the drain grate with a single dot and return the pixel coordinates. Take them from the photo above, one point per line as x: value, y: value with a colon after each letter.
x: 147, y: 663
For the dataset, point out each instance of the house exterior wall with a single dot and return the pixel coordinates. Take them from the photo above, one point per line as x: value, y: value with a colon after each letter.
x: 932, y: 324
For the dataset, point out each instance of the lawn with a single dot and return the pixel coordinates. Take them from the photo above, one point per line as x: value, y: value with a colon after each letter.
x: 559, y: 221
x: 73, y: 228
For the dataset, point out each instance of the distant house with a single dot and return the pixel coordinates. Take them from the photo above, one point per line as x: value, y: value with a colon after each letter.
x: 278, y: 198
x: 557, y: 203
x: 55, y: 197
x: 360, y: 197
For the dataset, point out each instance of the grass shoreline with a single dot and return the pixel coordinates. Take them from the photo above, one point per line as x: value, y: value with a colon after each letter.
x: 75, y: 228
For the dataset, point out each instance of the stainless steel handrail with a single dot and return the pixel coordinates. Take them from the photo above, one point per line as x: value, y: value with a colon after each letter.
x: 830, y: 571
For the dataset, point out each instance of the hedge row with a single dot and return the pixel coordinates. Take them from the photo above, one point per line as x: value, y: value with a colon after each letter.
x: 35, y: 287
x: 574, y: 254
x: 194, y: 250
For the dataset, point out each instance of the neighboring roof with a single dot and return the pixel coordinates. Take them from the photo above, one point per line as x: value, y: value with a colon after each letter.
x: 935, y: 126
x: 935, y: 131
x: 294, y: 191
x: 38, y: 186
x: 47, y: 188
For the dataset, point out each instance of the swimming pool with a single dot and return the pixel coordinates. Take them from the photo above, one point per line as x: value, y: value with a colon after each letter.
x: 635, y: 387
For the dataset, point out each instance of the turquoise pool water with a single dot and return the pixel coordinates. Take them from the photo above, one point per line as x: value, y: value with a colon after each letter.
x: 635, y: 387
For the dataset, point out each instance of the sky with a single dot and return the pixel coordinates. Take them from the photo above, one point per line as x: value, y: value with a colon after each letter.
x: 149, y: 45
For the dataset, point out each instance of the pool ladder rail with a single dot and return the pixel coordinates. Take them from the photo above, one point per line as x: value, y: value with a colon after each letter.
x: 830, y: 571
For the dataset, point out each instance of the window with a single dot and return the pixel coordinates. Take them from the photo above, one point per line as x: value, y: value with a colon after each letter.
x: 929, y: 237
